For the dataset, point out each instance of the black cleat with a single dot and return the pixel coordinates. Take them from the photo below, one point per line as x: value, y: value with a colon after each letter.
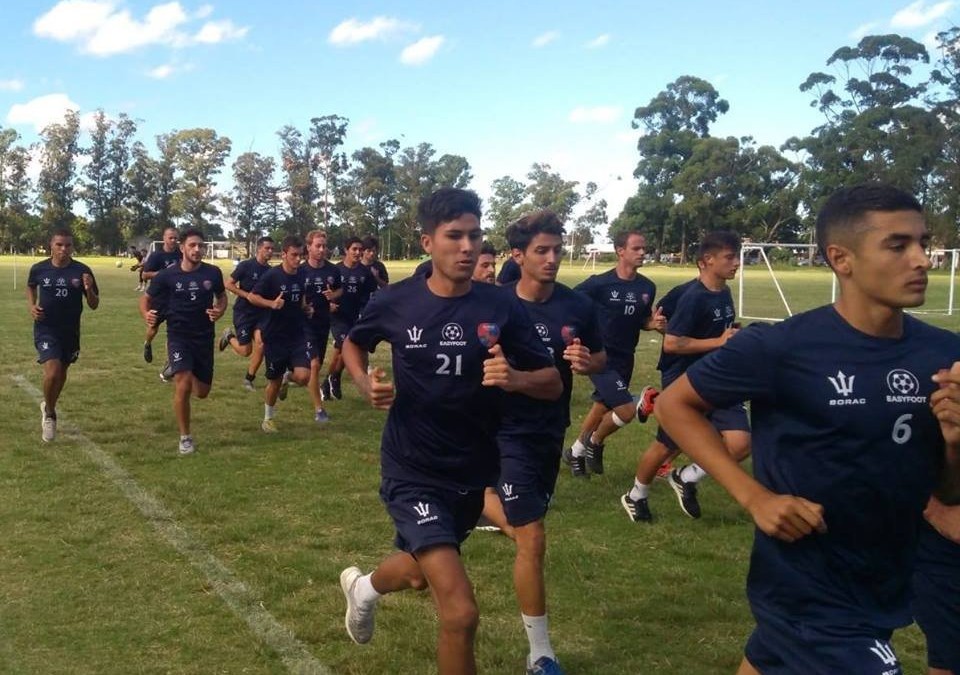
x: 325, y: 389
x: 638, y: 510
x: 578, y: 465
x: 594, y: 454
x: 335, y: 390
x: 686, y: 494
x: 148, y: 352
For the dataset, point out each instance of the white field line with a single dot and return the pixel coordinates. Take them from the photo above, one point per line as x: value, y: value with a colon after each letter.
x: 237, y: 596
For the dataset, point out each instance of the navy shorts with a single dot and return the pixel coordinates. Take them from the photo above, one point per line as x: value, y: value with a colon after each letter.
x: 784, y: 647
x: 612, y: 385
x: 56, y: 343
x: 193, y: 355
x: 339, y: 330
x: 733, y: 418
x: 318, y: 335
x: 426, y: 515
x: 245, y: 327
x: 936, y: 607
x: 528, y: 475
x: 283, y: 356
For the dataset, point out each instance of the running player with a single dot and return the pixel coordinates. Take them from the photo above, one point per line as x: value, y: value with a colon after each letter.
x: 449, y: 340
x: 530, y: 438
x: 486, y: 270
x: 624, y: 298
x: 702, y: 321
x: 168, y: 256
x: 371, y: 260
x: 323, y: 285
x: 56, y: 290
x: 193, y: 298
x: 358, y: 285
x: 283, y: 328
x: 855, y: 408
x: 244, y: 335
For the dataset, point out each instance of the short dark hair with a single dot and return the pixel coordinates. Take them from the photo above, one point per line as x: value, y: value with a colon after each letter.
x: 350, y: 241
x: 522, y: 232
x: 844, y: 210
x: 620, y: 238
x: 716, y: 241
x: 486, y: 248
x: 444, y: 205
x: 61, y: 232
x: 370, y: 242
x: 291, y: 241
x: 190, y: 232
x: 264, y: 240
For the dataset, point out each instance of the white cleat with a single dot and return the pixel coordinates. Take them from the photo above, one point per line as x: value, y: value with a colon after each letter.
x: 186, y: 446
x: 48, y: 425
x: 358, y: 619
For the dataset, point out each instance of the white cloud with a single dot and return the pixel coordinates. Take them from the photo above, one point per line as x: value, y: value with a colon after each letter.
x: 917, y: 14
x: 161, y: 72
x: 544, y: 39
x: 219, y: 31
x: 354, y: 31
x: 11, y: 85
x: 601, y: 114
x: 100, y: 28
x: 41, y: 111
x: 421, y: 51
x: 599, y: 41
x: 863, y: 30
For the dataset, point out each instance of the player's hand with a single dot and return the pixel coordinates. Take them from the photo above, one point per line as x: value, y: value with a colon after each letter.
x: 786, y: 517
x: 278, y: 301
x: 497, y: 372
x: 215, y: 312
x: 328, y: 294
x: 151, y: 318
x: 658, y: 321
x: 36, y: 311
x: 380, y: 392
x: 87, y: 282
x: 945, y: 403
x: 944, y: 519
x: 578, y: 356
x: 727, y: 334
x: 334, y: 307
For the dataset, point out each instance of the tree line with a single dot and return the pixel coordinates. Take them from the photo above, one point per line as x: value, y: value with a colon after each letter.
x: 890, y: 113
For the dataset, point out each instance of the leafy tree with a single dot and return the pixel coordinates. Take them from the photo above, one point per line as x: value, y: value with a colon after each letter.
x: 327, y: 134
x: 106, y: 187
x: 504, y: 208
x: 548, y: 190
x: 142, y: 178
x: 199, y: 155
x: 252, y: 196
x: 58, y: 166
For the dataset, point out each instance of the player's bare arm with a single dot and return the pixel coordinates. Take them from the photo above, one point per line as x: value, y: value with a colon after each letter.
x: 219, y: 307
x: 681, y: 344
x: 543, y: 383
x: 264, y: 303
x: 657, y: 322
x: 582, y: 362
x: 944, y: 519
x: 149, y: 315
x: 90, y: 291
x: 231, y: 285
x: 945, y: 403
x: 370, y: 382
x: 681, y: 412
x: 36, y: 311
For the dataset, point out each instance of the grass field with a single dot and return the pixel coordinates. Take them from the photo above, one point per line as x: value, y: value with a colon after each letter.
x: 119, y: 556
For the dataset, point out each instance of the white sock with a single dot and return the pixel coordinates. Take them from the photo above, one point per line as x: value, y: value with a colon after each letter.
x: 692, y: 473
x: 578, y: 448
x: 536, y: 627
x: 185, y: 437
x: 365, y: 592
x: 639, y: 490
x: 267, y: 412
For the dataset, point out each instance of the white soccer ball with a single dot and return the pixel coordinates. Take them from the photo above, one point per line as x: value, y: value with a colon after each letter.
x: 119, y: 263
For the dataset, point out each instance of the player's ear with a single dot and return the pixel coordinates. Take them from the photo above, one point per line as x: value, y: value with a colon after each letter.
x: 426, y: 241
x: 839, y: 258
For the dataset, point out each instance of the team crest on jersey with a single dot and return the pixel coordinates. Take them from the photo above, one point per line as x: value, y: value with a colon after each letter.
x: 543, y: 331
x: 904, y: 387
x: 329, y: 280
x: 568, y: 334
x: 75, y: 282
x: 646, y: 298
x: 488, y: 333
x: 207, y: 284
x: 844, y: 386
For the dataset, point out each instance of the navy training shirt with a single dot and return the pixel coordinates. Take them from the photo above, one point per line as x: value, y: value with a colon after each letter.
x: 700, y: 314
x: 323, y: 277
x: 840, y: 418
x: 565, y: 316
x: 624, y: 308
x: 246, y: 275
x: 667, y: 306
x: 60, y: 292
x: 161, y: 260
x: 358, y: 285
x: 509, y: 272
x: 440, y: 428
x: 187, y: 296
x: 284, y: 325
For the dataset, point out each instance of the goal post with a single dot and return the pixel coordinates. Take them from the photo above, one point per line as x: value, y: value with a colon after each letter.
x: 761, y: 248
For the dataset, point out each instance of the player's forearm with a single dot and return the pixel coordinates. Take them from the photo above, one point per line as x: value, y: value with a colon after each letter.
x: 544, y: 384
x: 948, y: 490
x: 356, y: 362
x: 93, y: 299
x: 147, y: 276
x: 682, y: 345
x: 258, y: 301
x: 144, y: 306
x: 234, y: 288
x: 598, y: 361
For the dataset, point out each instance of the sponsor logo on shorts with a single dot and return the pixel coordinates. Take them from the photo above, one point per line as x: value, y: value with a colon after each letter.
x: 423, y: 510
x: 507, y: 489
x: 885, y: 653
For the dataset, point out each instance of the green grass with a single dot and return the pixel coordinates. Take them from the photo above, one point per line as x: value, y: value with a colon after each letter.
x: 88, y: 585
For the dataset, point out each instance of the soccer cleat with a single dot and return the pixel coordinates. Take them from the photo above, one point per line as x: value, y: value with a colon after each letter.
x: 268, y: 427
x: 638, y: 510
x: 645, y: 403
x: 166, y: 374
x: 484, y: 524
x: 358, y: 619
x: 248, y: 385
x: 594, y: 454
x: 48, y: 425
x: 325, y: 389
x: 664, y: 470
x: 321, y: 417
x: 545, y: 666
x: 686, y: 494
x: 225, y: 338
x: 578, y: 465
x: 148, y: 352
x: 335, y: 390
x: 186, y: 445
x: 284, y: 386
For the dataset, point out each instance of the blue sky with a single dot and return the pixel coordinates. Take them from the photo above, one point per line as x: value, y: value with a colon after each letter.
x: 504, y: 84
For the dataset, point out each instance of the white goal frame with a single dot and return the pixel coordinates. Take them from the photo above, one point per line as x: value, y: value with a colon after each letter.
x: 763, y: 246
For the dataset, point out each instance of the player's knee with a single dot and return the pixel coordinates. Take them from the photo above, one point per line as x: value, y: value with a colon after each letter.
x: 621, y: 416
x: 417, y: 581
x: 460, y: 615
x: 531, y: 540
